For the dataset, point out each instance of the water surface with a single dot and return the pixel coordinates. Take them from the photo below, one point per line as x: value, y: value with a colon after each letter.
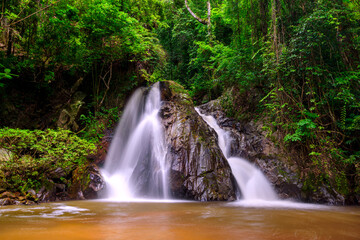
x: 178, y: 220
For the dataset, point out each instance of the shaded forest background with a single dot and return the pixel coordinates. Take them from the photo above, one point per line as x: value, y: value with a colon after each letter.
x: 294, y: 65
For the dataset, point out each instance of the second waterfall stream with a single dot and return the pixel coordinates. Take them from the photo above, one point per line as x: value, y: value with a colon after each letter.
x: 252, y: 182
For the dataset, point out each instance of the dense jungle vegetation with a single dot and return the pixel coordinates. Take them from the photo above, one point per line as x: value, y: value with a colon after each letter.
x: 292, y: 64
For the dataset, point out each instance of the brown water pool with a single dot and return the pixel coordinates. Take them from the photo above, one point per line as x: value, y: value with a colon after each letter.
x: 178, y: 220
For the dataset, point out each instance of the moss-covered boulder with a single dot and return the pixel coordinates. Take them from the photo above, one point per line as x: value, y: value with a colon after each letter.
x: 198, y: 169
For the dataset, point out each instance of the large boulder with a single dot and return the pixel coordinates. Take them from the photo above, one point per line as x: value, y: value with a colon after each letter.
x: 198, y: 168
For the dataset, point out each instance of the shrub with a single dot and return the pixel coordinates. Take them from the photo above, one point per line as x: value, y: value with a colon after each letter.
x: 36, y: 156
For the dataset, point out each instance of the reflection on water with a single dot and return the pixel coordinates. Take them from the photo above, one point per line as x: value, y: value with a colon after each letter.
x: 178, y: 220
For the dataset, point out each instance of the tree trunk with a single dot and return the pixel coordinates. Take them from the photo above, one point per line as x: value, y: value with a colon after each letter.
x: 263, y: 16
x: 274, y: 16
x: 209, y: 20
x: 9, y: 44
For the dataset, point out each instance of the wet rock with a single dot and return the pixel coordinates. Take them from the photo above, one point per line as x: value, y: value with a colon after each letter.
x: 87, y: 183
x: 18, y: 202
x: 80, y: 195
x: 96, y: 183
x: 40, y: 193
x: 285, y: 181
x: 47, y: 196
x: 198, y: 169
x: 327, y: 196
x: 6, y: 201
x: 47, y: 193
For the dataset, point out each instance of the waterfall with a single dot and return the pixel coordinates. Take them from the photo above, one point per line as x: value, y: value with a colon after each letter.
x: 135, y: 165
x: 252, y: 182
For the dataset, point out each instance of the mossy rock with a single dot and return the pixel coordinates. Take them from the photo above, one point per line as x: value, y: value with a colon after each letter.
x: 172, y: 91
x: 198, y: 169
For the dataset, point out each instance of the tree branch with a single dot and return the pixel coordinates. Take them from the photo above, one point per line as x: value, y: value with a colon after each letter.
x: 194, y: 15
x: 42, y: 9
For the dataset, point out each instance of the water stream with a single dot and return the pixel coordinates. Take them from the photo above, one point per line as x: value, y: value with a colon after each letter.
x: 135, y: 165
x: 252, y: 182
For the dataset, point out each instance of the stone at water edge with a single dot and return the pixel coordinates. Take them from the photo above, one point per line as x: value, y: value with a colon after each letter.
x: 87, y: 183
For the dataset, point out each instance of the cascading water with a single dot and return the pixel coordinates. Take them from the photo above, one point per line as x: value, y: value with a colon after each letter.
x: 252, y: 183
x: 135, y: 165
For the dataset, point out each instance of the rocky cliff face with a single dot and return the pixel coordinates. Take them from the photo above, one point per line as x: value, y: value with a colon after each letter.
x: 198, y: 169
x: 250, y: 142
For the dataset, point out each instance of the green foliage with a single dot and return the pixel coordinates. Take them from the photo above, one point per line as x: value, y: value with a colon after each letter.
x: 35, y: 155
x: 95, y: 125
x: 314, y: 93
x: 301, y: 58
x: 93, y: 39
x: 303, y: 130
x: 298, y: 60
x: 227, y: 102
x: 6, y: 74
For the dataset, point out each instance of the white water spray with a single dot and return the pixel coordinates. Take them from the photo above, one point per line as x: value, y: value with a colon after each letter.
x: 135, y: 165
x: 252, y: 182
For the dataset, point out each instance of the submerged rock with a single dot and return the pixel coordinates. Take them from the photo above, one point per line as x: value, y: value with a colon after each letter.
x: 198, y: 169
